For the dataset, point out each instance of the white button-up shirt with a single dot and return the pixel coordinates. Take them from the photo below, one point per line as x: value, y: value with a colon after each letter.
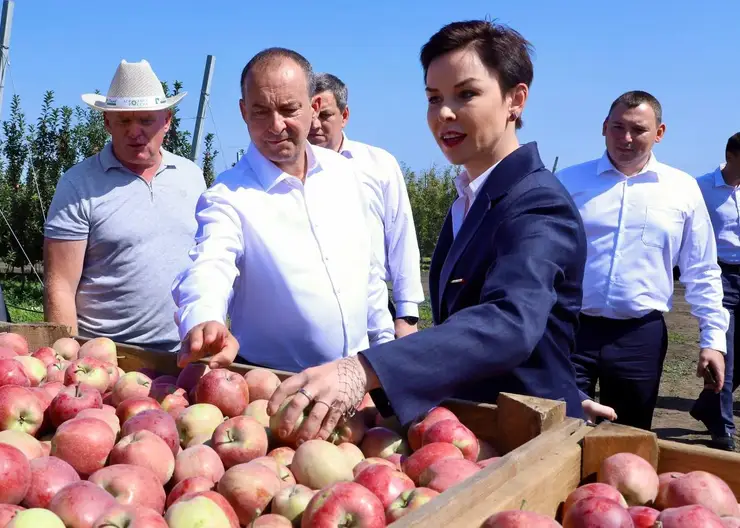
x: 722, y: 202
x: 397, y: 246
x: 638, y: 228
x: 467, y: 191
x: 290, y: 262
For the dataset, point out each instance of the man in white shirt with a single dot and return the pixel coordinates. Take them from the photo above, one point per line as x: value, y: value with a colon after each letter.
x: 721, y: 189
x: 386, y: 193
x: 283, y: 244
x: 642, y: 218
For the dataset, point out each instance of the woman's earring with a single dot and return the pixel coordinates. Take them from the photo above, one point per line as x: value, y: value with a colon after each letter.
x: 513, y: 116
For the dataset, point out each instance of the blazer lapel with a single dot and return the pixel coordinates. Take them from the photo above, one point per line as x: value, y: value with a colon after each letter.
x: 441, y: 250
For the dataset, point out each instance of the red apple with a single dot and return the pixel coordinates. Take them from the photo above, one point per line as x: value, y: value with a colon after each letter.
x: 632, y: 475
x: 147, y: 450
x: 70, y: 401
x: 26, y: 443
x: 225, y: 389
x: 249, y: 488
x: 199, y: 509
x: 189, y: 376
x: 197, y: 423
x: 283, y: 473
x: 663, y: 480
x: 187, y: 486
x: 101, y: 414
x: 385, y: 483
x: 291, y: 502
x: 46, y: 355
x: 130, y: 385
x: 158, y: 422
x: 48, y: 475
x: 113, y: 376
x: 219, y: 499
x: 427, y: 455
x: 52, y: 388
x: 372, y: 461
x: 33, y: 368
x: 81, y: 503
x: 409, y: 500
x: 594, y: 489
x: 421, y: 424
x: 342, y: 502
x: 519, y: 519
x: 318, y: 463
x: 16, y: 342
x: 455, y: 433
x: 597, y: 511
x: 84, y: 443
x: 131, y: 485
x: 7, y: 353
x: 239, y: 439
x: 705, y: 489
x: 11, y: 373
x: 262, y: 383
x: 643, y: 516
x: 87, y: 371
x: 284, y: 455
x: 352, y: 431
x: 100, y: 348
x: 15, y: 475
x: 171, y: 398
x: 731, y: 522
x: 20, y: 410
x: 446, y: 473
x: 66, y: 348
x: 382, y: 442
x: 121, y: 516
x: 689, y: 517
x: 7, y: 512
x: 198, y: 461
x: 271, y: 520
x: 130, y: 407
x: 55, y: 371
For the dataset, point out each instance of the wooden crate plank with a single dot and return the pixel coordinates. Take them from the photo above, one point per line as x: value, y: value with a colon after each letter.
x: 522, y: 418
x: 607, y: 439
x: 37, y: 334
x: 481, y: 418
x: 675, y: 456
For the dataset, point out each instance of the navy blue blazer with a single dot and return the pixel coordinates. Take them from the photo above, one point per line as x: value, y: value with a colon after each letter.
x: 505, y: 293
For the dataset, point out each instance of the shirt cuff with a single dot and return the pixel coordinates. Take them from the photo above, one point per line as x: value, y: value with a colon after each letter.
x: 407, y: 309
x: 196, y: 315
x: 715, y: 339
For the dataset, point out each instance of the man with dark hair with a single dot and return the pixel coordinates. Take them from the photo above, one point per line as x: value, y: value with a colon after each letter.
x: 642, y: 218
x: 396, y: 244
x: 284, y: 245
x: 720, y: 191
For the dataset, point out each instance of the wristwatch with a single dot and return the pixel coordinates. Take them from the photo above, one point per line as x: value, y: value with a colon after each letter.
x: 409, y: 319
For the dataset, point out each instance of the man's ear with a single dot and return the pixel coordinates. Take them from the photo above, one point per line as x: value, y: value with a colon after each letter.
x: 316, y: 104
x: 345, y: 116
x: 660, y: 133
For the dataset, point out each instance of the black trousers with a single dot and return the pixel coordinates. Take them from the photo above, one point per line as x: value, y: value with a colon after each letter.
x: 626, y: 358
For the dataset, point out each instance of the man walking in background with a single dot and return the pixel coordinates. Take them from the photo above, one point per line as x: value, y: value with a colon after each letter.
x: 397, y: 246
x: 720, y: 191
x: 121, y: 222
x: 642, y: 218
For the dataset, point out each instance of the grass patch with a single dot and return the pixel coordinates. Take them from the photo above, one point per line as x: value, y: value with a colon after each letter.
x: 675, y: 338
x: 24, y: 299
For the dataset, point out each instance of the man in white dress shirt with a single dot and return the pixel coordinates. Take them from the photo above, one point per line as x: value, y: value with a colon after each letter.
x: 283, y: 243
x: 721, y: 189
x: 397, y: 246
x: 642, y: 218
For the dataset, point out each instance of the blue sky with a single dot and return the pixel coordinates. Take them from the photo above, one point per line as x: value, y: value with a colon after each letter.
x: 586, y: 54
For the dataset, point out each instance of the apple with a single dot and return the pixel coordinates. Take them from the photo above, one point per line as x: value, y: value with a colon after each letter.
x: 385, y: 483
x: 187, y: 486
x: 225, y: 389
x: 84, y: 443
x: 341, y: 502
x: 198, y: 421
x: 284, y: 455
x: 421, y: 424
x: 55, y: 371
x: 486, y: 451
x: 239, y: 439
x: 46, y: 355
x: 262, y: 383
x: 100, y: 348
x: 257, y: 409
x: 705, y: 489
x: 593, y: 489
x: 35, y: 518
x: 11, y: 373
x: 113, y: 376
x: 26, y: 443
x: 249, y: 488
x: 409, y: 500
x: 455, y: 433
x: 291, y: 501
x: 15, y: 475
x: 632, y: 475
x: 66, y: 348
x: 7, y: 353
x: 70, y: 401
x: 195, y: 511
x: 382, y: 442
x: 276, y: 420
x: 519, y: 519
x: 20, y: 410
x: 81, y: 503
x: 33, y: 368
x: 189, y: 376
x: 121, y: 516
x: 101, y: 414
x: 283, y: 473
x: 427, y: 455
x: 688, y: 517
x: 130, y: 385
x: 372, y: 461
x: 318, y: 463
x: 131, y: 485
x: 16, y: 342
x: 171, y: 398
x: 48, y: 475
x: 198, y: 461
x: 731, y: 522
x: 643, y: 516
x: 352, y: 431
x: 220, y: 501
x: 271, y: 520
x: 597, y: 511
x: 7, y: 512
x: 130, y: 407
x: 444, y: 474
x: 663, y: 480
x: 353, y: 454
x: 87, y: 371
x: 147, y: 450
x: 158, y: 422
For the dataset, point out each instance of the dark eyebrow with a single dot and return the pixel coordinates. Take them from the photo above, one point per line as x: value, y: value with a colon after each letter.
x: 458, y: 85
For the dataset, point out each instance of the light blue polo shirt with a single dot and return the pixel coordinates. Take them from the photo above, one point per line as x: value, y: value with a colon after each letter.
x: 724, y: 211
x: 138, y: 238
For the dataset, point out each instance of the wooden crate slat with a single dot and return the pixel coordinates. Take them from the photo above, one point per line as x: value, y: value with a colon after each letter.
x: 675, y: 456
x: 608, y: 438
x: 37, y: 334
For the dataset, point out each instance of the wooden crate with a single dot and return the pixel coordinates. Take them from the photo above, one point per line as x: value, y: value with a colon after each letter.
x: 521, y: 428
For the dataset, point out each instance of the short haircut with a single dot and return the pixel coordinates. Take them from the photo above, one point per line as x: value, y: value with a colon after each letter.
x: 635, y: 98
x: 326, y: 82
x: 502, y: 50
x: 733, y: 144
x: 270, y: 54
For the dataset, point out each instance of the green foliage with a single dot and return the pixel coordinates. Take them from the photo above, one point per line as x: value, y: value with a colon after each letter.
x: 209, y: 154
x: 176, y: 141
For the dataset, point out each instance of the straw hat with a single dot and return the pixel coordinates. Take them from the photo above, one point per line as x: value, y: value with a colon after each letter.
x: 135, y: 87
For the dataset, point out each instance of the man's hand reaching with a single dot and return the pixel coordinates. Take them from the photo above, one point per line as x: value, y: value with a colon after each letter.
x: 209, y: 340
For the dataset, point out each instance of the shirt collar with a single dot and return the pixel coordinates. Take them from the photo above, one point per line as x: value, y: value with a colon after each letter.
x: 650, y: 169
x: 719, y: 180
x: 345, y: 149
x: 270, y: 174
x: 109, y: 160
x: 462, y: 183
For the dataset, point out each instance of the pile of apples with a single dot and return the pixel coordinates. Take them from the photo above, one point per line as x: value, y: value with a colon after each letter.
x: 85, y: 445
x: 630, y: 494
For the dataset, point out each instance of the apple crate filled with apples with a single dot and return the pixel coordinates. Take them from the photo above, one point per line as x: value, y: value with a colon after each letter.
x: 98, y: 434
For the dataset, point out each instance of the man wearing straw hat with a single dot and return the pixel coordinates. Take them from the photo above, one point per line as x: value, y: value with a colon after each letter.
x: 121, y: 222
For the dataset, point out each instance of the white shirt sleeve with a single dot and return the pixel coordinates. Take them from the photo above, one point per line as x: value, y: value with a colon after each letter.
x: 700, y: 273
x: 202, y: 292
